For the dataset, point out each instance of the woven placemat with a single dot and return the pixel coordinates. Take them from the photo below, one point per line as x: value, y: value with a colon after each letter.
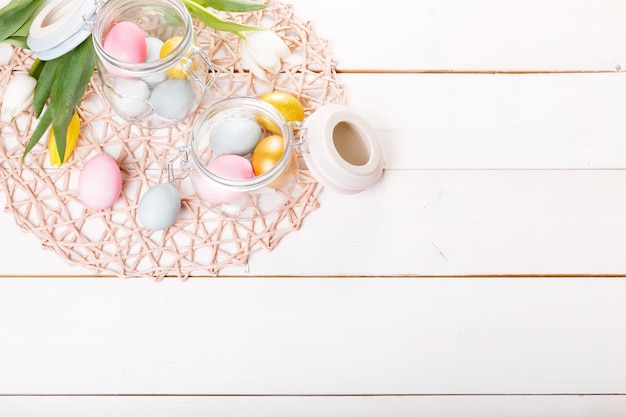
x: 43, y: 200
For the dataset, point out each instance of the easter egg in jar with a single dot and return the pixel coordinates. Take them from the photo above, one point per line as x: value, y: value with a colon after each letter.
x: 231, y: 167
x: 100, y: 182
x: 153, y: 49
x: 267, y: 154
x: 287, y: 105
x: 178, y: 70
x: 126, y: 42
x: 129, y: 96
x: 173, y: 98
x: 235, y: 135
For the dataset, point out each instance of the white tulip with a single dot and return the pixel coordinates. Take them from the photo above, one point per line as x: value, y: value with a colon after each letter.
x: 6, y: 53
x: 18, y: 95
x: 262, y: 51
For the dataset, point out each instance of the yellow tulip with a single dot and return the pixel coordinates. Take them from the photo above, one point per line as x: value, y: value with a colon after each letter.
x: 70, y: 142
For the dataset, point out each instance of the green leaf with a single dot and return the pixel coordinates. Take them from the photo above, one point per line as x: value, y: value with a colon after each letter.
x: 214, y: 21
x: 19, y: 41
x: 64, y: 80
x: 41, y: 128
x: 44, y: 83
x: 24, y: 30
x: 15, y: 15
x: 232, y: 5
x: 69, y: 88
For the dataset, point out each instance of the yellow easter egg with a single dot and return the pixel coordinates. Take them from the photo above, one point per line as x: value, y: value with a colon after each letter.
x: 287, y: 105
x: 177, y: 71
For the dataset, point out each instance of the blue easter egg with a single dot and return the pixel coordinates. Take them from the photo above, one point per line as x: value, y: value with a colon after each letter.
x: 235, y: 136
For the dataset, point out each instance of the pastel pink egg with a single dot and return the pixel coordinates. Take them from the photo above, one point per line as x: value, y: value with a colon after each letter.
x: 232, y: 167
x: 126, y: 42
x: 100, y: 182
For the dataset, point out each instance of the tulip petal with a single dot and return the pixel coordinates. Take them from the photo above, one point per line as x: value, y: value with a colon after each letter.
x: 263, y: 58
x: 274, y: 69
x: 270, y: 41
x: 263, y: 51
x: 248, y: 63
x: 73, y: 130
x: 18, y: 95
x: 6, y: 53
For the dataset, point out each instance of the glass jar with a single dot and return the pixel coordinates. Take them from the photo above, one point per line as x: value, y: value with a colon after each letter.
x: 229, y: 175
x: 243, y: 155
x: 142, y: 87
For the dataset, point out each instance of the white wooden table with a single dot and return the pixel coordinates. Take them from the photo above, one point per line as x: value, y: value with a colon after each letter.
x: 482, y: 276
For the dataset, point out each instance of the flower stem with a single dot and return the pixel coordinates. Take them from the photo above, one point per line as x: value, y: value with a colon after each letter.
x: 36, y: 68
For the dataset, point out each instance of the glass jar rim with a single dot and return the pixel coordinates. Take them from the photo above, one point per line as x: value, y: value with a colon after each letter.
x: 252, y: 103
x: 106, y: 16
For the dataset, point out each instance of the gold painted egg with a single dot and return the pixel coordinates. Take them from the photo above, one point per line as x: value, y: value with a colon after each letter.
x: 287, y: 105
x: 267, y: 154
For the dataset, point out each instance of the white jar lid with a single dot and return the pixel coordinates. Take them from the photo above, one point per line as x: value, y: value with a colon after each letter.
x: 341, y: 150
x: 60, y: 26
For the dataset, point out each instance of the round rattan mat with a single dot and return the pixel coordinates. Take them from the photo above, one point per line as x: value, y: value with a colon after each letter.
x: 43, y: 200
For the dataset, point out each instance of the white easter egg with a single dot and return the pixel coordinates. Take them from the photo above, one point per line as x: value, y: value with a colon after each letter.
x: 153, y: 47
x: 129, y: 96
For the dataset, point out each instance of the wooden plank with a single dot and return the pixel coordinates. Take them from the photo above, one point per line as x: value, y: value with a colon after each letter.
x: 438, y: 406
x: 484, y: 35
x: 462, y: 223
x: 439, y: 223
x: 313, y: 336
x: 494, y: 121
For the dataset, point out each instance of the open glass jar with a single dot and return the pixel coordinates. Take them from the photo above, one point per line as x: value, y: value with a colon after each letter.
x: 243, y: 158
x: 153, y: 72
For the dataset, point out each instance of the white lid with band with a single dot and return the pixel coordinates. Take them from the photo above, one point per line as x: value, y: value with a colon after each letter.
x: 60, y: 26
x: 341, y: 150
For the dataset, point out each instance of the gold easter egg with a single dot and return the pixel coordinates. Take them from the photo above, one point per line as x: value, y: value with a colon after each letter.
x: 287, y: 105
x: 267, y: 154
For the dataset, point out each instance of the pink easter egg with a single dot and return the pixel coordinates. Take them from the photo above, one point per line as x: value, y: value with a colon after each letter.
x: 100, y: 182
x: 232, y: 167
x: 126, y: 42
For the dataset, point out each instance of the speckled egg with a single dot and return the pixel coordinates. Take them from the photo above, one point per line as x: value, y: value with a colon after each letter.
x: 100, y: 182
x: 159, y: 207
x: 235, y: 136
x: 173, y: 98
x: 126, y: 42
x: 233, y: 167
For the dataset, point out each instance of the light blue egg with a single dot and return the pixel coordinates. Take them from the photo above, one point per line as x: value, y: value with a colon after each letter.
x: 235, y: 136
x: 159, y: 207
x: 173, y: 98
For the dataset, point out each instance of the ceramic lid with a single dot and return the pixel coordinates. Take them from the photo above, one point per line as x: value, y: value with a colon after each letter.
x: 341, y: 150
x: 60, y: 26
